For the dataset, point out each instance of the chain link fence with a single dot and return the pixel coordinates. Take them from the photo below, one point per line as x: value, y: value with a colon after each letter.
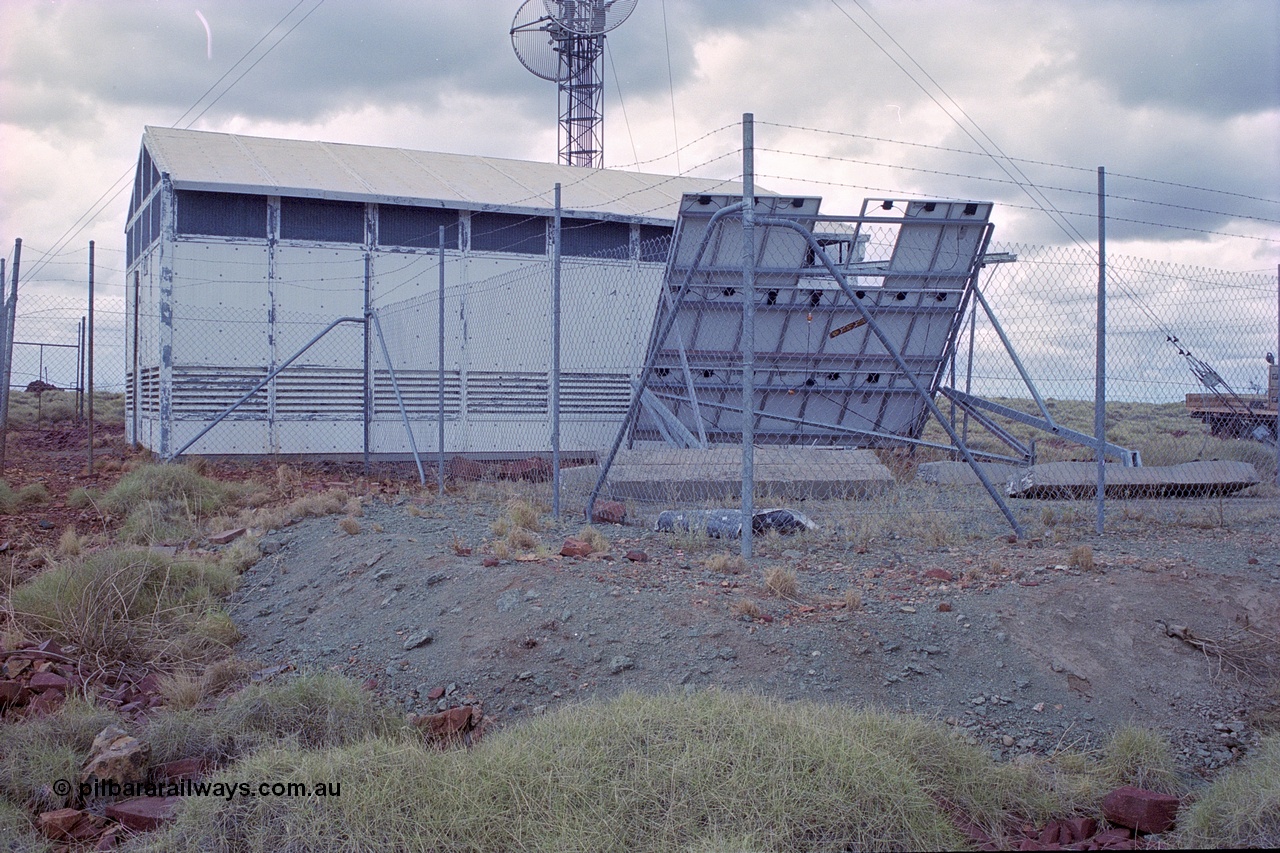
x: 841, y: 431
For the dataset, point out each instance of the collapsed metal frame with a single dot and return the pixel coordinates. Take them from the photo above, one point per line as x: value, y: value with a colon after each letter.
x: 674, y: 431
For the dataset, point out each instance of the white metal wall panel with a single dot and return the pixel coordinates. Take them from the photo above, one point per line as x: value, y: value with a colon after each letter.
x: 220, y: 304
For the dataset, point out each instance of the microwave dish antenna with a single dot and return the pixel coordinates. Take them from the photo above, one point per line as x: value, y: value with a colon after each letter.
x: 563, y: 41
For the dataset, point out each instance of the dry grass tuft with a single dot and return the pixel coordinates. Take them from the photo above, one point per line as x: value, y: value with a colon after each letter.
x: 525, y: 515
x: 130, y: 606
x: 349, y: 526
x: 745, y: 608
x: 69, y: 543
x: 725, y: 563
x: 598, y: 541
x: 852, y: 600
x: 1081, y: 558
x: 781, y: 582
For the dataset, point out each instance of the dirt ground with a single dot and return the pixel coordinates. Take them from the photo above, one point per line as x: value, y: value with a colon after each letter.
x: 1016, y: 644
x: 1004, y: 640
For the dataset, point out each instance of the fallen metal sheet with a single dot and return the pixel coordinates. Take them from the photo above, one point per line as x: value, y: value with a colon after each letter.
x: 727, y: 523
x: 1078, y: 480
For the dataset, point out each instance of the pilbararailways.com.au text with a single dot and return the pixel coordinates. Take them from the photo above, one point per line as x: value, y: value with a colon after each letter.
x: 192, y: 788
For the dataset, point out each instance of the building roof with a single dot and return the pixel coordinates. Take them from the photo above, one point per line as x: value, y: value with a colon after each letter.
x: 224, y: 162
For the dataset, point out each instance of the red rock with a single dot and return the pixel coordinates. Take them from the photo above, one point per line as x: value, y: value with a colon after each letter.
x: 1080, y: 828
x: 177, y: 771
x: 940, y: 575
x: 448, y: 724
x: 1034, y: 844
x: 1145, y: 811
x: 535, y: 469
x: 609, y: 512
x: 48, y: 681
x: 45, y: 703
x: 574, y: 548
x: 143, y: 814
x: 50, y: 646
x: 1051, y: 834
x: 11, y: 692
x: 944, y: 607
x: 58, y: 823
x: 435, y: 693
x: 637, y: 556
x: 69, y: 825
x: 489, y: 562
x: 226, y: 536
x: 108, y: 839
x: 1115, y: 833
x: 467, y: 470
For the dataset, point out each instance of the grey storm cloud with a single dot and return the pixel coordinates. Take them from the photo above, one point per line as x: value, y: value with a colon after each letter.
x: 1186, y: 90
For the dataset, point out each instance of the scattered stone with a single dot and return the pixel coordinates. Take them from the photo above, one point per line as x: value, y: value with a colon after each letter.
x: 489, y: 562
x: 47, y: 681
x: 117, y: 757
x: 226, y: 537
x: 71, y: 825
x: 420, y: 638
x: 1140, y: 809
x: 609, y: 512
x: 939, y: 575
x: 466, y: 470
x: 143, y: 814
x: 575, y: 548
x: 438, y: 577
x: 447, y: 725
x: 1007, y: 740
x: 637, y: 556
x: 907, y: 608
x: 271, y: 546
x: 620, y: 663
x: 435, y: 693
x: 180, y: 770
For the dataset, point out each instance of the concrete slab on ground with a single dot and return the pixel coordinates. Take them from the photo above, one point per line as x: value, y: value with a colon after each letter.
x: 673, y: 475
x: 960, y: 474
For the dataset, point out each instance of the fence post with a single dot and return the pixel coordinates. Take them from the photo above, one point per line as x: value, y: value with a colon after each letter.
x: 89, y: 361
x: 555, y: 362
x: 8, y: 321
x: 1100, y: 358
x: 368, y: 362
x: 440, y: 379
x: 80, y: 371
x: 748, y: 331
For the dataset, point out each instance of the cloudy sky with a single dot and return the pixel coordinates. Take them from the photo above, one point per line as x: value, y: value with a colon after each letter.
x: 1178, y: 99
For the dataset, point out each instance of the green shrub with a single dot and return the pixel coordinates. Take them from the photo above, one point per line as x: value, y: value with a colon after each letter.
x: 134, y: 606
x: 312, y: 712
x: 177, y: 484
x: 1241, y: 809
x: 633, y: 774
x: 37, y: 751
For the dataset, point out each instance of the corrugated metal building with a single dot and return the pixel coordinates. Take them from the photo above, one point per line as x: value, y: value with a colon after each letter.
x: 241, y: 248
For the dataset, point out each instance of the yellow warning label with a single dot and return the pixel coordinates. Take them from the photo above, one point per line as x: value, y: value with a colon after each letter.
x: 848, y: 327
